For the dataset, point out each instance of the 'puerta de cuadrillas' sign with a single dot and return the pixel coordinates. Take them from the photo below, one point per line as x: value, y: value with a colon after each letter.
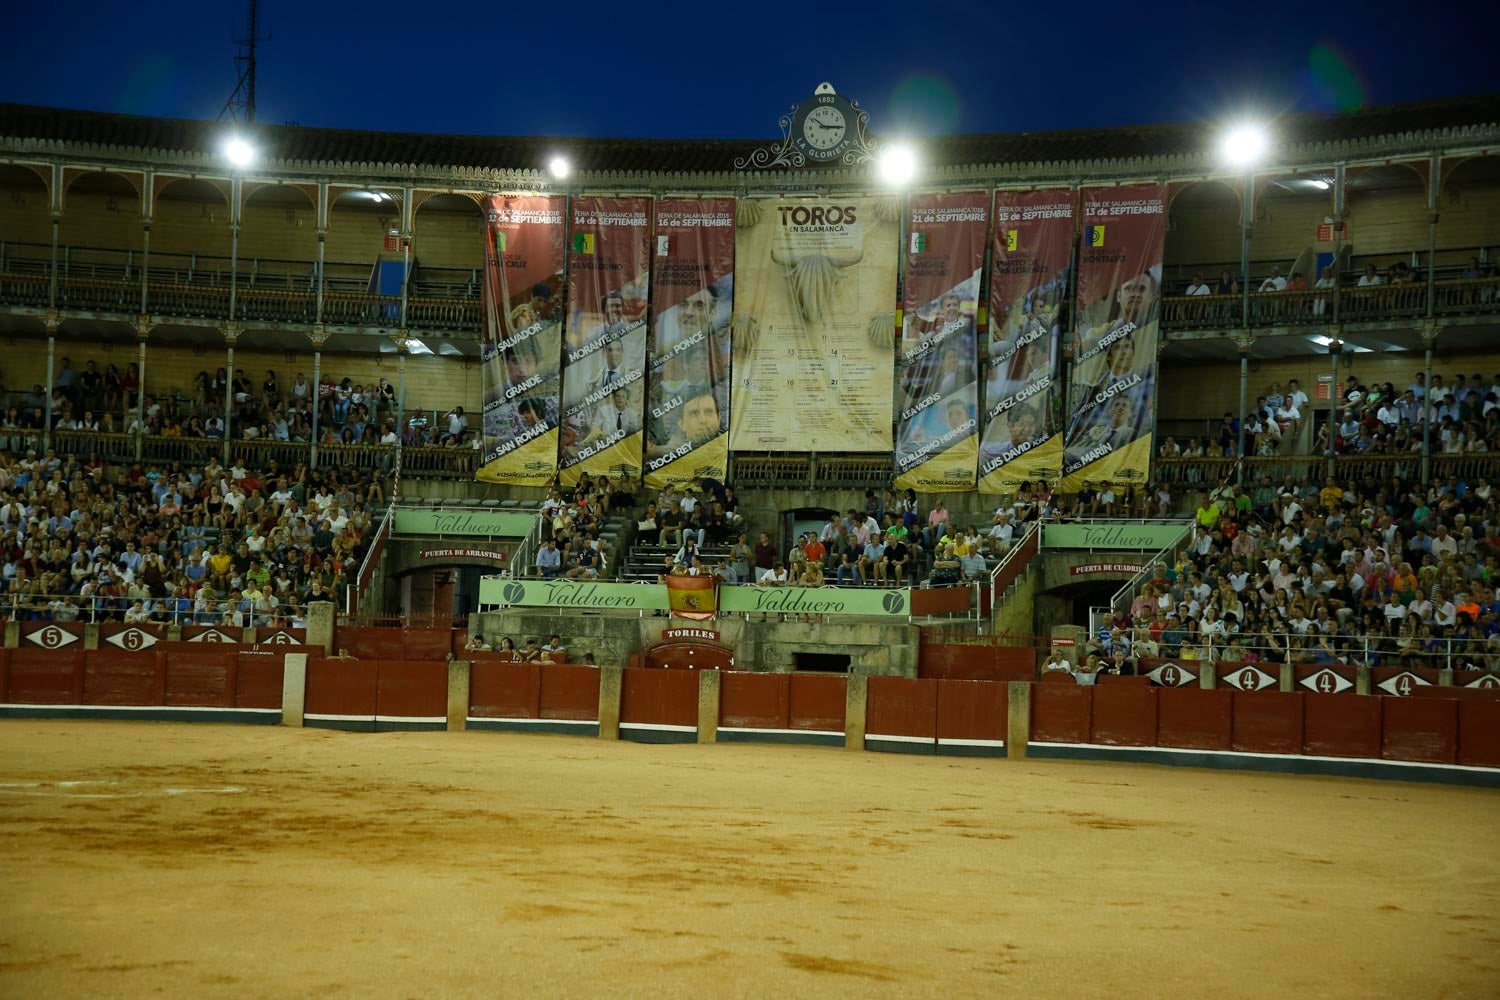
x: 1148, y: 537
x: 464, y: 523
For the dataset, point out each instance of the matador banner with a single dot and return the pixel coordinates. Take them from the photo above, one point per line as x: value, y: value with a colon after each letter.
x: 521, y: 354
x: 1030, y: 266
x: 1112, y: 384
x: 688, y: 398
x: 604, y: 347
x: 937, y: 364
x: 814, y: 324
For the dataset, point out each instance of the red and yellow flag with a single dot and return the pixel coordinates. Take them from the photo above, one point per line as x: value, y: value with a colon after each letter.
x: 692, y: 597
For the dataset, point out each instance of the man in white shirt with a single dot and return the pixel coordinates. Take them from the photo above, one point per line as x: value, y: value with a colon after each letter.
x: 1002, y: 535
x: 1274, y: 283
x: 1198, y: 286
x: 1370, y: 277
x: 1443, y: 543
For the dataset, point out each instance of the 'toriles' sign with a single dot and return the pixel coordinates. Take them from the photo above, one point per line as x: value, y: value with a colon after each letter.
x: 700, y: 634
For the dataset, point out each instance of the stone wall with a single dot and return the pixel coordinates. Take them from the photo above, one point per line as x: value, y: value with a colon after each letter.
x: 609, y: 640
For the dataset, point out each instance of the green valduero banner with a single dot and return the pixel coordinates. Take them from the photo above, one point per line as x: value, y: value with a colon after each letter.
x: 1147, y: 537
x: 815, y: 600
x: 937, y: 361
x: 814, y: 323
x: 604, y: 359
x: 1112, y: 383
x: 521, y: 353
x: 591, y: 596
x: 1030, y: 267
x: 479, y: 523
x: 582, y: 594
x: 688, y: 398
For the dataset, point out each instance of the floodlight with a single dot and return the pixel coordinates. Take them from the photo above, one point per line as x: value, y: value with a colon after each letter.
x: 898, y: 164
x: 239, y: 152
x: 1244, y: 145
x: 559, y: 167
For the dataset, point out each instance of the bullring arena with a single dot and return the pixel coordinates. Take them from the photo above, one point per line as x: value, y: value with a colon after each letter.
x: 466, y: 566
x: 208, y: 860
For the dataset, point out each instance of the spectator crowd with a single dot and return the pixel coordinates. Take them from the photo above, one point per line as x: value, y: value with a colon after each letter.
x: 175, y: 544
x: 107, y: 402
x: 1375, y: 573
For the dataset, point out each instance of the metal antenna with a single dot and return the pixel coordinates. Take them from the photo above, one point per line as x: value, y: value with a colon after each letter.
x: 241, y: 104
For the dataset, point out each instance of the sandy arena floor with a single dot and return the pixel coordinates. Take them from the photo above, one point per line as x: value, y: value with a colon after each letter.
x: 196, y: 860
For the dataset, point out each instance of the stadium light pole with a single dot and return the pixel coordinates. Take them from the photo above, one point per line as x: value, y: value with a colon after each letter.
x: 1244, y: 146
x: 240, y: 155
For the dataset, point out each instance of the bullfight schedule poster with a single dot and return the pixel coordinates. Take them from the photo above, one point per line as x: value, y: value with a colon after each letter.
x: 937, y: 364
x: 521, y: 353
x: 1113, y: 379
x: 687, y: 410
x: 604, y: 346
x: 1029, y: 271
x: 814, y: 324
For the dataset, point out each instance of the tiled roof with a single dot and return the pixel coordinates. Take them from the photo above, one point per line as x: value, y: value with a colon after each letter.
x: 296, y: 143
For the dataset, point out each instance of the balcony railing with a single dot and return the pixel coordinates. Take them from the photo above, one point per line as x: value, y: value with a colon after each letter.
x: 206, y: 296
x: 1316, y: 306
x: 423, y: 461
x: 1207, y: 472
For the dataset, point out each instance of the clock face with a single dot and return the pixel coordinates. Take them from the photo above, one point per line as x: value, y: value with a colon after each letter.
x: 824, y: 127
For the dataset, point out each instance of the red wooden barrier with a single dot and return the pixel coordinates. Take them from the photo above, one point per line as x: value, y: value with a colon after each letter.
x: 941, y: 600
x: 372, y: 642
x: 1124, y: 715
x: 1477, y: 680
x: 1248, y: 676
x: 689, y: 656
x: 901, y: 706
x: 51, y: 635
x: 1332, y: 678
x: 503, y: 689
x: 411, y: 688
x: 1424, y: 729
x: 130, y: 638
x: 1479, y: 733
x: 1267, y: 722
x: 46, y: 677
x: 817, y: 702
x: 659, y: 698
x: 201, y: 678
x: 569, y: 692
x: 953, y: 662
x: 341, y: 687
x: 971, y: 710
x: 1061, y: 713
x: 257, y: 680
x: 4, y: 676
x: 755, y: 701
x: 119, y: 678
x: 1400, y: 681
x: 1194, y: 719
x: 1339, y: 726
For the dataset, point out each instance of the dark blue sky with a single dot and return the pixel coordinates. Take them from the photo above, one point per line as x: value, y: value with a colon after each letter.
x: 678, y: 69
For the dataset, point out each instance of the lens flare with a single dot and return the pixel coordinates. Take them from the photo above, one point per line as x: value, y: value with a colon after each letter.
x: 924, y: 104
x: 1332, y: 81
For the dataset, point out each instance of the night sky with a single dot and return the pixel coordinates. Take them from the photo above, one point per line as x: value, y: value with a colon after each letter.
x: 681, y: 70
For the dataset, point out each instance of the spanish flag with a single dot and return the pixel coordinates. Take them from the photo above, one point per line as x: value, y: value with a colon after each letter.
x: 692, y: 597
